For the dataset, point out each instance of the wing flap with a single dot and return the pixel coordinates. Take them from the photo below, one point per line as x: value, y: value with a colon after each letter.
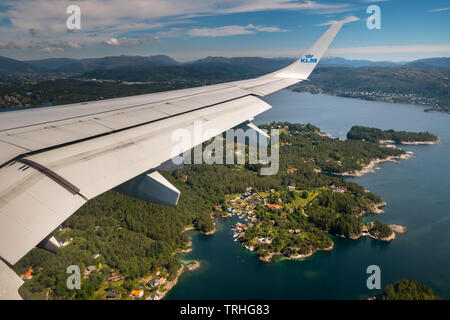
x: 30, y: 209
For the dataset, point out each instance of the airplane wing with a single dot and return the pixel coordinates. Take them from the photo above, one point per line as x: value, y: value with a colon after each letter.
x: 53, y: 160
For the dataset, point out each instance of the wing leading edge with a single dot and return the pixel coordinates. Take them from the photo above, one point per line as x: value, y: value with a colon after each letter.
x: 55, y: 159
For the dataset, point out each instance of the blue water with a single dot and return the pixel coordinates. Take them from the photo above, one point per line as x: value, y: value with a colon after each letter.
x: 417, y: 192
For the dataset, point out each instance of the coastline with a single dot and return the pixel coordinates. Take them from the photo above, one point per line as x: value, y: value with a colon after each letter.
x: 269, y: 258
x: 187, y: 249
x: 437, y: 141
x: 183, y: 269
x: 372, y: 165
x: 311, y: 253
x: 189, y: 229
x: 428, y: 107
x: 213, y: 230
x: 420, y: 142
x: 396, y: 229
x: 374, y: 208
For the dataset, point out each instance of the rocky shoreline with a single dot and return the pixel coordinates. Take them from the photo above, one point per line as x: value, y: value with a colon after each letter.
x: 309, y: 254
x: 437, y: 141
x: 187, y: 249
x: 372, y: 166
x: 271, y: 255
x: 374, y: 208
x: 210, y: 232
x: 184, y: 268
x: 396, y: 229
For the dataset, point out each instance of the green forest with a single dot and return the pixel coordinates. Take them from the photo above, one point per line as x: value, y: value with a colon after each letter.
x: 377, y: 135
x: 136, y: 238
x: 405, y: 289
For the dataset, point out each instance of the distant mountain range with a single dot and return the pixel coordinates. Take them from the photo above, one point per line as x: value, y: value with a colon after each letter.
x: 243, y: 65
x: 83, y: 65
x: 431, y: 63
x: 339, y: 62
x: 10, y: 66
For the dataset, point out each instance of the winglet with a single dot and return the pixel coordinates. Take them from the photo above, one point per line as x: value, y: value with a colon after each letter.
x: 302, y: 68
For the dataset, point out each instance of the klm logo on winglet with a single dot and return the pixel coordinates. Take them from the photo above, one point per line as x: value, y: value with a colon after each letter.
x: 309, y: 58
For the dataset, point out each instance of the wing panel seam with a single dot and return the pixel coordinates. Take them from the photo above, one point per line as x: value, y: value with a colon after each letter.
x: 52, y: 175
x: 119, y: 109
x: 19, y: 157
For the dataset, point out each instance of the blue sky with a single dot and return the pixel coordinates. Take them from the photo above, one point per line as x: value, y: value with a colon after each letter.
x: 186, y: 30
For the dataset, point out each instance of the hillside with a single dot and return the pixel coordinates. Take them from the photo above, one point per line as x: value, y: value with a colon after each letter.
x: 389, y: 84
x: 10, y: 66
x: 430, y: 64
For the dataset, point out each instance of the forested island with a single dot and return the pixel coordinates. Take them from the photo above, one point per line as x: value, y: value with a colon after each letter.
x: 406, y: 289
x: 400, y: 137
x: 127, y: 247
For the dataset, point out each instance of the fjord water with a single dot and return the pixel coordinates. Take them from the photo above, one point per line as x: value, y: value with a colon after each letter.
x: 417, y: 192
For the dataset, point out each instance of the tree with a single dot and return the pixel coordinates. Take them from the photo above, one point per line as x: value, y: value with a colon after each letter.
x: 408, y: 290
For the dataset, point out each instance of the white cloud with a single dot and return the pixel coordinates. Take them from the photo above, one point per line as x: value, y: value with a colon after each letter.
x: 115, y: 16
x: 129, y: 42
x: 112, y: 20
x: 345, y: 20
x: 440, y: 9
x: 233, y: 30
x: 112, y: 42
